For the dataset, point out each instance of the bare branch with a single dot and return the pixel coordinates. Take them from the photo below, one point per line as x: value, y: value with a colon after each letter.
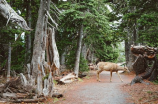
x: 56, y: 7
x: 55, y: 14
x: 52, y: 19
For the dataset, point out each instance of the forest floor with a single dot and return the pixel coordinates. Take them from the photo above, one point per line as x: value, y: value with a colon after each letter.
x: 89, y: 91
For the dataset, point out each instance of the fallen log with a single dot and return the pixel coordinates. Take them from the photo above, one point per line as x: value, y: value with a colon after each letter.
x: 68, y: 78
x: 29, y: 100
x: 9, y: 95
x: 21, y: 95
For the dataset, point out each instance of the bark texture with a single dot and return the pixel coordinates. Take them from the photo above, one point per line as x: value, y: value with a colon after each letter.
x: 9, y: 61
x: 39, y: 42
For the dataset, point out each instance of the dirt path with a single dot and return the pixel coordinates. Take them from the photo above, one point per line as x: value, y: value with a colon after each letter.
x: 92, y: 92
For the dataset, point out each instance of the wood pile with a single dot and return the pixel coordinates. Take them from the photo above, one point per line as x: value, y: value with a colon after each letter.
x: 14, y: 91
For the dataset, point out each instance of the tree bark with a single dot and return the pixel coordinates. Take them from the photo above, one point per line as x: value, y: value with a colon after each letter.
x: 128, y: 53
x: 52, y: 52
x: 62, y: 60
x: 132, y: 37
x: 28, y: 42
x: 9, y: 61
x: 78, y: 52
x: 39, y: 37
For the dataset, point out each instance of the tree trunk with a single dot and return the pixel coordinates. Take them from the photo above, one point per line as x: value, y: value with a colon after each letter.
x: 132, y: 37
x: 9, y: 61
x: 39, y: 44
x: 78, y: 52
x: 28, y: 42
x: 52, y: 52
x: 62, y: 60
x: 84, y: 51
x: 129, y: 56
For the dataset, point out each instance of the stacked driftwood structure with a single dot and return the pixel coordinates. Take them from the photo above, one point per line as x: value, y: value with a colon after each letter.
x: 146, y: 63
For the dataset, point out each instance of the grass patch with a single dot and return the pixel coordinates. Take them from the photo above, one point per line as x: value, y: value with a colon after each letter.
x: 80, y: 80
x: 149, y: 92
x: 87, y: 77
x: 55, y: 82
x: 55, y: 100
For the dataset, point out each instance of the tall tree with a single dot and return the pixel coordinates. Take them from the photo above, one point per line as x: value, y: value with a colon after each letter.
x: 77, y: 13
x: 39, y: 42
x: 78, y: 51
x: 28, y: 37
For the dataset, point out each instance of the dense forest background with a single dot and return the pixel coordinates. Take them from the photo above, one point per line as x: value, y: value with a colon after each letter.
x: 104, y: 24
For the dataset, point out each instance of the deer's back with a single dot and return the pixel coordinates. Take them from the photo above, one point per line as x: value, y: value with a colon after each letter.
x: 107, y: 66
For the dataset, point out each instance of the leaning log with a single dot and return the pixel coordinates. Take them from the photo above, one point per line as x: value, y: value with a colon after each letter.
x: 8, y: 13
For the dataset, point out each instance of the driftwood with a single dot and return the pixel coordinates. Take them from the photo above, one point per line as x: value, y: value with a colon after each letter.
x: 15, y: 91
x: 68, y: 78
x: 145, y: 64
x: 8, y: 13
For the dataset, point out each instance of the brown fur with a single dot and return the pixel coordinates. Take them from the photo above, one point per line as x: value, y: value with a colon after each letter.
x: 109, y: 66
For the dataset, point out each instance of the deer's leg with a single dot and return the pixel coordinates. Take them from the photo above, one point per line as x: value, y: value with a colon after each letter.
x: 110, y: 76
x: 119, y: 76
x: 98, y: 72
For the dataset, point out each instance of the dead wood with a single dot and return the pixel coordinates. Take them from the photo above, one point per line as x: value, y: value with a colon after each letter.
x: 8, y: 13
x: 140, y: 65
x: 148, y: 52
x: 57, y: 95
x: 69, y: 78
x: 9, y: 95
x: 145, y: 64
x: 36, y: 100
x: 21, y: 95
x: 14, y: 83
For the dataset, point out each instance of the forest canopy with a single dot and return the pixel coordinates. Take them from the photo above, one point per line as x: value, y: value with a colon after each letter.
x: 101, y: 34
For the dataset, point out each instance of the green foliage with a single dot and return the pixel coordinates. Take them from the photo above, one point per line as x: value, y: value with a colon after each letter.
x: 80, y: 80
x: 70, y: 62
x: 55, y: 100
x: 7, y: 34
x: 70, y: 58
x: 143, y: 14
x: 46, y: 77
x: 83, y: 66
x: 99, y: 35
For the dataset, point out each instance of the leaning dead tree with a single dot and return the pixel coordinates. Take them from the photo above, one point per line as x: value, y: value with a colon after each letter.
x: 146, y: 63
x: 8, y: 13
x: 44, y: 45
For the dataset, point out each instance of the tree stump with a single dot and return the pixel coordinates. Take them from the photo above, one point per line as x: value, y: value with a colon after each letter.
x: 146, y: 62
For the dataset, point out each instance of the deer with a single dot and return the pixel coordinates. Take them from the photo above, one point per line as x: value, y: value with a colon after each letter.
x: 109, y: 66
